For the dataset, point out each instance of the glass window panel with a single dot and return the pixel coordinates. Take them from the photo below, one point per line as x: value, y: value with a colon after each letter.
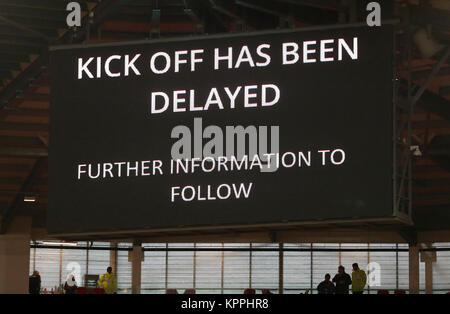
x: 180, y: 268
x: 153, y: 278
x: 296, y: 268
x: 348, y: 258
x: 48, y: 263
x: 384, y: 270
x: 236, y: 272
x: 422, y: 277
x: 32, y: 263
x: 98, y: 262
x: 441, y: 272
x: 208, y: 268
x: 236, y: 269
x: 265, y: 267
x: 403, y: 270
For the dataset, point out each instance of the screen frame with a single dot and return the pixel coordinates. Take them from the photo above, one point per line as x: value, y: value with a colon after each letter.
x: 396, y: 217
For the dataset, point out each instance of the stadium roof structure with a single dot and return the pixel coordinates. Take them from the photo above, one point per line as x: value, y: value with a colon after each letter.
x: 28, y: 28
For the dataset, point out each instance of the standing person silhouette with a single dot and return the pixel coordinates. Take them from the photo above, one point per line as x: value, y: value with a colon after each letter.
x: 359, y: 279
x: 108, y: 281
x: 34, y: 283
x: 342, y: 280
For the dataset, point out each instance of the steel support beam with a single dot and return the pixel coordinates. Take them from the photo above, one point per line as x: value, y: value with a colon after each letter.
x: 23, y: 79
x: 101, y: 12
x: 35, y: 173
x: 23, y: 152
x: 223, y: 10
x: 414, y: 269
x: 430, y: 77
x: 26, y: 29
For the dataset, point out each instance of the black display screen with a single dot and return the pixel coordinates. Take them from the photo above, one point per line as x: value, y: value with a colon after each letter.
x: 244, y: 129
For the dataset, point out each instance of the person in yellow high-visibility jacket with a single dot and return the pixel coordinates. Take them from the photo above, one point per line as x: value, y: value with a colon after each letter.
x: 108, y: 281
x: 359, y: 279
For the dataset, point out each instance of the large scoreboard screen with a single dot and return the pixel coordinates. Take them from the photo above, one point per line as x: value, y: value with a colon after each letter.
x: 251, y: 128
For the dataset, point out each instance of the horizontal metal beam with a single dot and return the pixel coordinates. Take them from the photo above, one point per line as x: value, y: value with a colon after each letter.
x: 23, y: 152
x: 101, y: 12
x: 429, y: 101
x: 24, y: 112
x: 321, y: 4
x: 20, y: 141
x: 11, y: 49
x: 15, y: 181
x: 260, y: 8
x: 14, y: 57
x: 44, y: 5
x: 34, y: 96
x: 423, y: 74
x: 426, y: 15
x: 144, y: 27
x: 37, y: 23
x: 431, y: 76
x: 27, y: 30
x: 38, y: 127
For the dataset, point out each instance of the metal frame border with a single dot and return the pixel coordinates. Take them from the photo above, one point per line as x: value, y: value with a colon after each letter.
x: 215, y: 36
x: 397, y: 215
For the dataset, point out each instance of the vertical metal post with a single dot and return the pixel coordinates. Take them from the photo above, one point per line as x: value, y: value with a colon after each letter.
x: 352, y: 11
x: 136, y: 257
x: 155, y: 24
x: 368, y: 262
x: 99, y: 33
x: 280, y: 268
x: 87, y: 258
x: 194, y: 270
x: 414, y: 269
x: 429, y: 277
x: 34, y: 258
x: 60, y: 266
x: 167, y: 266
x: 222, y: 264
x: 250, y: 267
x: 311, y: 267
x: 403, y: 180
x: 113, y: 256
x: 396, y: 267
x: 395, y: 103
x: 409, y: 199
